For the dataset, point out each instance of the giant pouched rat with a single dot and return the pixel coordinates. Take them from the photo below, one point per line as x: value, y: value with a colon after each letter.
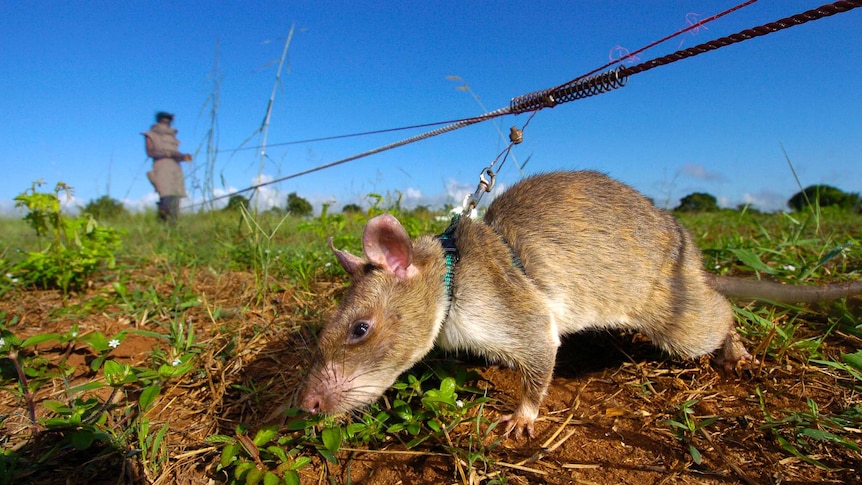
x: 556, y: 254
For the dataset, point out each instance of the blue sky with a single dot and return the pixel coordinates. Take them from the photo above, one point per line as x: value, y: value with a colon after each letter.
x: 81, y: 80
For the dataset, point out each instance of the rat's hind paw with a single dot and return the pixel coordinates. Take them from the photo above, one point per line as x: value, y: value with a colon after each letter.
x: 520, y: 424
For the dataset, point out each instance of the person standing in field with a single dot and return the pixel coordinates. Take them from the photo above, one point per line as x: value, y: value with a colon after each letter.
x: 166, y: 175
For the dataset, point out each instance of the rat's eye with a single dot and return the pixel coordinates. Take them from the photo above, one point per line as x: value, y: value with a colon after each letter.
x: 358, y: 331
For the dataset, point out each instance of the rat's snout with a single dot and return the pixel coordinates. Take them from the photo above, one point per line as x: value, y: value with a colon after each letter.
x: 310, y: 403
x: 323, y: 391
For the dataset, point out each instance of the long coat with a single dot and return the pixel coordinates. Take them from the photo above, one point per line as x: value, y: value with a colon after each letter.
x: 166, y: 175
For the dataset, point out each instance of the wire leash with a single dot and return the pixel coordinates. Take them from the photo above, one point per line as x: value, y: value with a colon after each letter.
x: 488, y: 177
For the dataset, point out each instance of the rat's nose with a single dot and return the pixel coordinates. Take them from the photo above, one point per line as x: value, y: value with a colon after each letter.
x: 311, y: 403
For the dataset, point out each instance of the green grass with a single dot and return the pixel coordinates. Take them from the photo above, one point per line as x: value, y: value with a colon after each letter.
x: 436, y: 407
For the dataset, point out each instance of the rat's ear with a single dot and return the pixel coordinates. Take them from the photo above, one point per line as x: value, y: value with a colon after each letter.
x: 349, y: 262
x: 387, y: 245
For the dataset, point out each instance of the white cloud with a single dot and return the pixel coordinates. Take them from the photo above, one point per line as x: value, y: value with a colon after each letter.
x: 71, y: 204
x: 412, y: 194
x: 147, y: 202
x: 766, y: 200
x: 7, y: 208
x: 699, y: 172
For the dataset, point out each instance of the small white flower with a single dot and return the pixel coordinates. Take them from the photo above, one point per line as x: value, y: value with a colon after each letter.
x: 327, y: 265
x: 717, y: 266
x: 2, y: 342
x: 459, y: 403
x: 176, y: 362
x: 75, y: 334
x: 789, y: 267
x: 114, y: 343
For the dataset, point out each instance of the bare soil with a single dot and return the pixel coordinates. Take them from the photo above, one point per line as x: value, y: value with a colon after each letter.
x: 603, y: 420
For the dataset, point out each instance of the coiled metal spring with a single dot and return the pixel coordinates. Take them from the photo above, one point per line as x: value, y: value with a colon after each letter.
x: 577, y: 89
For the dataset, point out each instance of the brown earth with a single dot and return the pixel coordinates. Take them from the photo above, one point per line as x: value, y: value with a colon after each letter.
x: 603, y: 419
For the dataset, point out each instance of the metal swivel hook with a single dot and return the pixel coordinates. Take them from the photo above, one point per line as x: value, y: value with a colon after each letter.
x: 486, y: 183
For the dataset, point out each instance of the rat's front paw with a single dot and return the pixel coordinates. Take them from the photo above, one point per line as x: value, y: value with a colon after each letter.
x: 520, y: 423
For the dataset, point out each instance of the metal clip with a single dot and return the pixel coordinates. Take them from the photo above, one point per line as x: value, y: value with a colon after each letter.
x: 485, y: 185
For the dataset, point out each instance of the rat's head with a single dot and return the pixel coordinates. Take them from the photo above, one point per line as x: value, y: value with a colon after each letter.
x: 386, y: 322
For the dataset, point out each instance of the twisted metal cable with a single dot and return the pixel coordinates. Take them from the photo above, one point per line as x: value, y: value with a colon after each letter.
x: 785, y: 23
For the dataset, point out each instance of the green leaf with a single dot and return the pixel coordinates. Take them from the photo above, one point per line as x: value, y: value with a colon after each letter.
x: 82, y: 439
x: 265, y: 435
x: 41, y: 338
x: 96, y: 340
x: 57, y: 406
x: 695, y: 454
x: 148, y: 396
x: 332, y: 439
x: 833, y: 253
x: 167, y: 371
x: 160, y: 436
x: 87, y: 386
x: 857, y: 374
x: 271, y: 479
x: 298, y: 424
x: 278, y: 452
x: 219, y: 438
x: 149, y: 333
x: 291, y: 477
x: 328, y: 455
x: 300, y: 462
x: 228, y: 454
x: 854, y: 360
x: 113, y: 370
x: 354, y: 428
x: 821, y: 435
x: 752, y: 261
x: 254, y: 476
x: 417, y: 441
x: 675, y: 424
x: 447, y: 387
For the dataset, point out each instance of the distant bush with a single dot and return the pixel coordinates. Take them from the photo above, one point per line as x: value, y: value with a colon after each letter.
x: 825, y: 196
x: 351, y: 209
x: 697, y: 202
x: 236, y: 202
x: 105, y: 207
x: 298, y: 206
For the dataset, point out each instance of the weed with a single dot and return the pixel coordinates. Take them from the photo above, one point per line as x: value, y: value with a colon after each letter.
x: 851, y: 364
x: 70, y: 249
x: 419, y: 412
x: 256, y: 248
x: 79, y: 417
x: 686, y: 426
x: 802, y: 433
